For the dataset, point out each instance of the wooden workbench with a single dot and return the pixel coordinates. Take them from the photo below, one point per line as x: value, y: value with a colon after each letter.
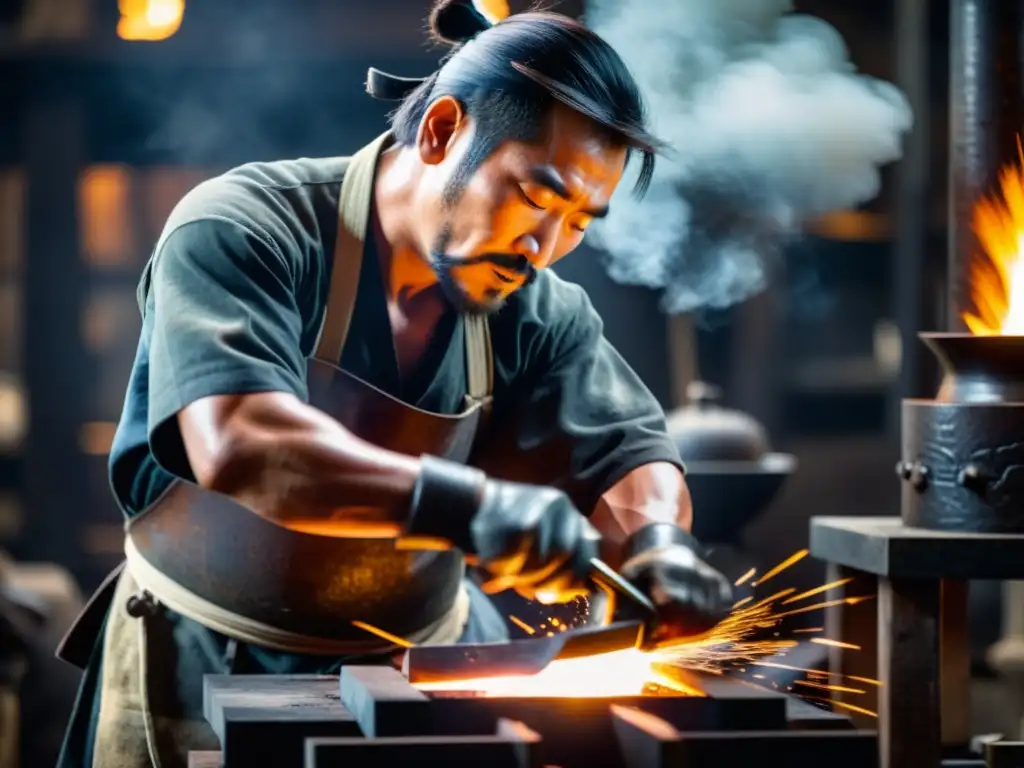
x: 921, y: 656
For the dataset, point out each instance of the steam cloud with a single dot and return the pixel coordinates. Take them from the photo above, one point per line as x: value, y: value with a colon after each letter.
x: 768, y: 123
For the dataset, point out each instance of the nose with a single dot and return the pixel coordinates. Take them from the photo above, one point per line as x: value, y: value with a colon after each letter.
x: 538, y: 246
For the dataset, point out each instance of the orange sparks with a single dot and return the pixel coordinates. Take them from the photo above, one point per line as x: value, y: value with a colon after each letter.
x: 776, y: 665
x: 796, y: 557
x: 730, y: 645
x: 827, y: 687
x: 807, y: 630
x: 522, y: 625
x: 818, y: 590
x: 834, y: 643
x: 867, y: 680
x: 745, y: 577
x: 399, y: 641
x: 843, y: 705
x: 826, y: 604
x: 770, y: 599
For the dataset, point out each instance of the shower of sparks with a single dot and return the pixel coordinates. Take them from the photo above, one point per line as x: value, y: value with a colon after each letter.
x: 745, y: 577
x: 867, y: 680
x: 522, y: 625
x: 842, y: 705
x: 770, y: 599
x: 816, y: 673
x: 826, y: 604
x: 818, y: 590
x: 834, y: 643
x: 827, y: 687
x: 736, y: 643
x: 793, y: 559
x: 399, y: 641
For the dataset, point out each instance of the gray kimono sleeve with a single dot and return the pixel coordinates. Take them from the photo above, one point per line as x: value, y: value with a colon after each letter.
x: 225, y: 321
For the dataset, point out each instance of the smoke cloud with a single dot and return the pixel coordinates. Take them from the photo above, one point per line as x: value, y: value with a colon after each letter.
x: 768, y: 122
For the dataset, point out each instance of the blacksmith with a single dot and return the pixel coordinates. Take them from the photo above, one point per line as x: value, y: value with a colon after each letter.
x: 352, y: 372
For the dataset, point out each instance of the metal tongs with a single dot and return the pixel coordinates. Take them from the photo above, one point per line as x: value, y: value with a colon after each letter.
x: 426, y: 664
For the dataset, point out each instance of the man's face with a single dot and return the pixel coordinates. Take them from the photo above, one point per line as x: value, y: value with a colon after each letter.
x: 524, y: 208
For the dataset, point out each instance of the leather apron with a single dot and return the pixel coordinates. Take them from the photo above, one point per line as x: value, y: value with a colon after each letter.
x: 203, y: 556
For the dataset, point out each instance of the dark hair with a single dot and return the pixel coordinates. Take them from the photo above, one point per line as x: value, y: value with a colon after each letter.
x: 508, y: 76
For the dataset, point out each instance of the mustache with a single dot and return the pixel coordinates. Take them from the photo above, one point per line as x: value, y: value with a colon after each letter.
x: 512, y: 262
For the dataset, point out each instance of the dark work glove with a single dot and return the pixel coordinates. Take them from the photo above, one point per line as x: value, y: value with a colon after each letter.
x: 690, y: 596
x: 528, y: 538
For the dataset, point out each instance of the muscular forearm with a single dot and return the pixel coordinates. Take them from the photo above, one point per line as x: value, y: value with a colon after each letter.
x: 295, y: 465
x: 653, y: 493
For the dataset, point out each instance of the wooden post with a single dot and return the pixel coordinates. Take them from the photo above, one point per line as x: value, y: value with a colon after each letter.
x: 858, y: 625
x: 955, y: 655
x: 910, y: 731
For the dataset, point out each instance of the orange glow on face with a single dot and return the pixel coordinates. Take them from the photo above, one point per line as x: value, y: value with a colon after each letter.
x: 997, y: 275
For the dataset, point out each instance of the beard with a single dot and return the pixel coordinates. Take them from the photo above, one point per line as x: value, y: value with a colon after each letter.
x: 444, y: 264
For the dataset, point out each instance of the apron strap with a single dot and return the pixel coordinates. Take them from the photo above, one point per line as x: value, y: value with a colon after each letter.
x: 353, y: 219
x: 479, y: 360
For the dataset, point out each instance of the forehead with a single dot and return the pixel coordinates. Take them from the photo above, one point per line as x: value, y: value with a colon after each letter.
x: 576, y: 148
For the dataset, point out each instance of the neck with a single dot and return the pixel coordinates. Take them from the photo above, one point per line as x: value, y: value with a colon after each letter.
x: 405, y: 268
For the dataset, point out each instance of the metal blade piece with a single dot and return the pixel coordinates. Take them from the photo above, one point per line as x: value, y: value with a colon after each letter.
x: 438, y: 663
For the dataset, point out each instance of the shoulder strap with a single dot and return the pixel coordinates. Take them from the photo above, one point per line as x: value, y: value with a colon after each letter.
x: 353, y: 219
x: 479, y: 360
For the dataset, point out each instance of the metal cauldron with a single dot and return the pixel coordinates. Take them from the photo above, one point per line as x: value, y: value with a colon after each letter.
x: 732, y: 473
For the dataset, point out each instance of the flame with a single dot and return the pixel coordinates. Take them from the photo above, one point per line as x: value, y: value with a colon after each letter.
x: 997, y: 276
x: 149, y: 20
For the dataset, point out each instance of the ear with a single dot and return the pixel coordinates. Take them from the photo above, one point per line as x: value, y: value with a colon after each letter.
x: 441, y: 124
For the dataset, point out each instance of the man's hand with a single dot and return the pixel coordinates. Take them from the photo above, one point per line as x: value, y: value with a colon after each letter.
x: 529, y: 538
x: 690, y: 596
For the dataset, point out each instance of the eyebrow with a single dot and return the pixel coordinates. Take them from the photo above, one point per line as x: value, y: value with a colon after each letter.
x: 548, y: 177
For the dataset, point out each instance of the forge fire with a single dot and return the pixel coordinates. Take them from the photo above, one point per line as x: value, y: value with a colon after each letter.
x: 997, y: 273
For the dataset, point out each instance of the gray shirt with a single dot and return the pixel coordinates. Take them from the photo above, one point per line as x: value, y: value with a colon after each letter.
x: 232, y: 300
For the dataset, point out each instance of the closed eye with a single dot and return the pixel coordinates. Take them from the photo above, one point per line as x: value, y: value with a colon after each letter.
x: 529, y: 202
